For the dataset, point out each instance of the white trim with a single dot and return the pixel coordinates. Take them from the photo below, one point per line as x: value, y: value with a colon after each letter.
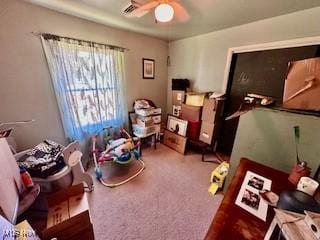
x: 298, y: 42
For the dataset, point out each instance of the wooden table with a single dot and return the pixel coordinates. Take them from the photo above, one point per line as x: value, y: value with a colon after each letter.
x: 233, y: 222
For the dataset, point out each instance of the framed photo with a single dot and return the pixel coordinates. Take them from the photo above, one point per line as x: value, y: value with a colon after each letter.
x: 148, y: 68
x: 177, y: 125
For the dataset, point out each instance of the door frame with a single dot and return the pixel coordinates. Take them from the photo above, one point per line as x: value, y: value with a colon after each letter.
x: 298, y: 42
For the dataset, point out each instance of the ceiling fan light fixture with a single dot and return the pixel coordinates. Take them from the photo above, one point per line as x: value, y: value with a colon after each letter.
x: 164, y: 12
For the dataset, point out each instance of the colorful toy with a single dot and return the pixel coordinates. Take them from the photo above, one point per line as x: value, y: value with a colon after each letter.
x: 218, y: 176
x: 120, y: 151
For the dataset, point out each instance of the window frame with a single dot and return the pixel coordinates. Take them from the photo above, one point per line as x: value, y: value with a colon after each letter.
x: 79, y: 89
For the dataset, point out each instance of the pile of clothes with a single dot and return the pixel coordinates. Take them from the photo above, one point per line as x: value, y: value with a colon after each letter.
x: 43, y: 160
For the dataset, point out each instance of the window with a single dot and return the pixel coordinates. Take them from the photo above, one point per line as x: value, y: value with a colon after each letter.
x: 92, y: 91
x: 88, y: 83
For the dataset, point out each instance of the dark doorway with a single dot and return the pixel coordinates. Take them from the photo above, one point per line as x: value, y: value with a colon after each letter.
x: 261, y: 72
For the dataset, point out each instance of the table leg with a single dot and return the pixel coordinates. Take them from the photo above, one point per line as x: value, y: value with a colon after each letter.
x: 155, y: 141
x: 203, y: 153
x: 271, y: 229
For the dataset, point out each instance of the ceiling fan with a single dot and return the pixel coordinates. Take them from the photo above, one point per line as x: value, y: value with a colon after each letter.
x: 164, y: 10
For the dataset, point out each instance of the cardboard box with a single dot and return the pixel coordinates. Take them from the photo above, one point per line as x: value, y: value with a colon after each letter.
x: 302, y: 86
x: 208, y: 132
x: 148, y: 112
x: 190, y: 113
x: 212, y: 110
x: 144, y: 121
x: 195, y: 99
x: 144, y: 112
x: 68, y: 215
x: 178, y: 97
x: 156, y: 119
x: 156, y: 111
x: 175, y: 141
x: 142, y: 131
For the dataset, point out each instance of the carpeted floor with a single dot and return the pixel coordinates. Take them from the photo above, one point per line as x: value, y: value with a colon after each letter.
x: 169, y: 200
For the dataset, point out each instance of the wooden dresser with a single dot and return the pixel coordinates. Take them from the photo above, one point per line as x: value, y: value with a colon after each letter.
x: 231, y: 221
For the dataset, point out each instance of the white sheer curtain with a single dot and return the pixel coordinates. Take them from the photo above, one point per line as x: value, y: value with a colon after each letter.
x: 88, y: 80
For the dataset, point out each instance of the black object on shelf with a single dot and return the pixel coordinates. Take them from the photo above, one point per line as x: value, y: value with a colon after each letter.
x: 297, y: 201
x: 180, y: 84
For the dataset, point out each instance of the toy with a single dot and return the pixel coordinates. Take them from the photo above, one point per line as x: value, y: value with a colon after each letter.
x: 218, y: 176
x: 120, y: 151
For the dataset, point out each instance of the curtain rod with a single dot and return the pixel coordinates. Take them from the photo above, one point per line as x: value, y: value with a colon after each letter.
x: 49, y: 35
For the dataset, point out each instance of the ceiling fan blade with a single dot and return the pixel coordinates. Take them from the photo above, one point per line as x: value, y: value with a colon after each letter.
x: 180, y: 12
x: 144, y: 7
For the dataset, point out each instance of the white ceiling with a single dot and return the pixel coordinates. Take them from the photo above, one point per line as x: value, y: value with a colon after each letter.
x: 206, y: 15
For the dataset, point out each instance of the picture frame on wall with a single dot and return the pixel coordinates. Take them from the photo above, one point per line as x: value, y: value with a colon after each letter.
x: 148, y: 68
x: 177, y: 125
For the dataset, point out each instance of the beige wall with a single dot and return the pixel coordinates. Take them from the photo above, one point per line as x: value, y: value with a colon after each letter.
x: 25, y: 85
x: 203, y: 58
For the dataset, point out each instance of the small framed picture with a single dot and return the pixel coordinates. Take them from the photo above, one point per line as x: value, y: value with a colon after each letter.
x: 177, y: 125
x: 148, y: 68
